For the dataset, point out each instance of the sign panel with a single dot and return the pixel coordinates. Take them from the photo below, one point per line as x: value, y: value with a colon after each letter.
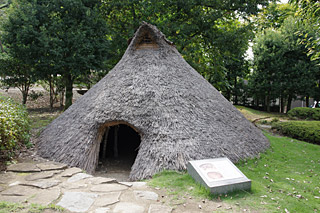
x: 219, y: 174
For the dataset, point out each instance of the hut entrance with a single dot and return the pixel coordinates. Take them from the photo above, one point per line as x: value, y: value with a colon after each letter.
x: 118, y: 150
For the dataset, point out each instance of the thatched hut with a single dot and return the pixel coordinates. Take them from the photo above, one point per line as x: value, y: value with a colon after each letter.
x: 154, y: 93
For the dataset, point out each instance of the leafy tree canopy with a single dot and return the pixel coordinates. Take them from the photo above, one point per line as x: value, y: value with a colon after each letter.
x: 273, y: 16
x: 65, y: 37
x: 201, y: 30
x: 309, y: 13
x: 282, y: 68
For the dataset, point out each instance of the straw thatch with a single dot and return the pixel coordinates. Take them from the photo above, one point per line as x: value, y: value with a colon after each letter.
x: 178, y: 114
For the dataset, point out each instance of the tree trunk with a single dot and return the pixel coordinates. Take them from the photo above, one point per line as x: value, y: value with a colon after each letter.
x: 281, y: 104
x: 62, y: 98
x: 267, y: 103
x: 289, y: 103
x: 228, y: 94
x: 69, y: 86
x: 307, y: 101
x: 24, y: 97
x: 25, y: 90
x: 235, y: 91
x: 51, y: 91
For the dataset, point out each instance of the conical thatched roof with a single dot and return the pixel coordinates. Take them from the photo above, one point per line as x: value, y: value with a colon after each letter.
x: 178, y: 114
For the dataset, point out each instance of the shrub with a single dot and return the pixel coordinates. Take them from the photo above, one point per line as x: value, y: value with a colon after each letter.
x: 35, y: 95
x: 305, y: 113
x: 14, y: 126
x: 308, y: 131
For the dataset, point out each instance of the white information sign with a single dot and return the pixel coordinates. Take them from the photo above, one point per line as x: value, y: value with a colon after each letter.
x: 219, y: 174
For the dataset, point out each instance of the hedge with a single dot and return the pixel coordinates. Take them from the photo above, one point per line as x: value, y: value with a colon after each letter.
x: 308, y: 131
x: 305, y: 113
x: 14, y: 126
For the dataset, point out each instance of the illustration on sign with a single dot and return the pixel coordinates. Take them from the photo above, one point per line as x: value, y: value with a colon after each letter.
x: 220, y: 170
x: 220, y: 175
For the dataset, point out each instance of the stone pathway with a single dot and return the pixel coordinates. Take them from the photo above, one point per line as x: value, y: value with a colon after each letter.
x: 54, y: 183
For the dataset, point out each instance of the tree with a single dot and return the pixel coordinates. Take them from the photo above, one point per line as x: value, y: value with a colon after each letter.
x: 3, y: 6
x: 75, y: 40
x: 17, y: 62
x: 282, y: 68
x: 15, y: 73
x: 268, y: 50
x: 65, y: 37
x: 309, y: 13
x: 301, y: 71
x: 196, y: 28
x: 273, y: 16
x: 236, y: 66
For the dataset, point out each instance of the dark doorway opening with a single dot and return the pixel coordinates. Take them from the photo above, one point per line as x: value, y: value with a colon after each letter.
x: 118, y: 150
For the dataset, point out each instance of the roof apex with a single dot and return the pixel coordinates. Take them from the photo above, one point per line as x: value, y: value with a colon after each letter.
x: 148, y: 36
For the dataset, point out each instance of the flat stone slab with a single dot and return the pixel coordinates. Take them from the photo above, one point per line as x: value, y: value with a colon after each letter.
x: 7, y: 177
x: 46, y: 197
x: 47, y: 166
x: 13, y: 199
x: 108, y: 187
x: 128, y: 184
x: 102, y: 210
x: 101, y: 180
x: 77, y: 201
x: 40, y: 175
x: 43, y: 184
x: 23, y: 167
x: 134, y: 184
x: 70, y: 172
x: 77, y: 185
x: 146, y: 195
x: 20, y: 191
x: 219, y: 175
x: 126, y: 207
x: 155, y: 208
x: 107, y: 199
x: 15, y: 183
x: 77, y: 177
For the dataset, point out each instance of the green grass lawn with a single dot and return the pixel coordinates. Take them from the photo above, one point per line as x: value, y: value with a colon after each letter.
x: 287, y: 176
x: 6, y: 207
x: 41, y: 120
x: 252, y: 114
